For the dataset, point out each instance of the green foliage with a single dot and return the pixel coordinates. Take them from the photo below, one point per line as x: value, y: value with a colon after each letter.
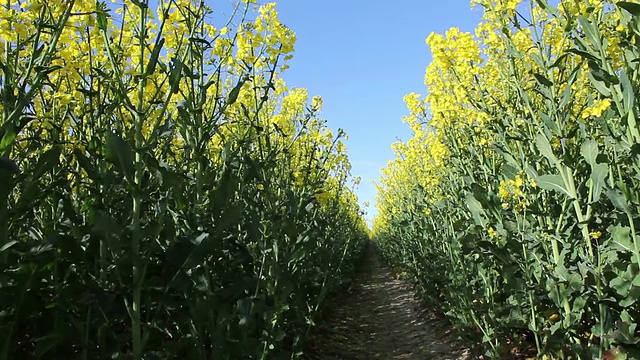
x: 533, y: 239
x: 138, y: 226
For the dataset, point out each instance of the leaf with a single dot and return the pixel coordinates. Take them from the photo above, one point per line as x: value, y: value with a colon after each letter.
x: 178, y: 252
x: 47, y: 342
x: 510, y: 172
x: 632, y: 8
x: 107, y: 228
x: 8, y: 245
x: 566, y: 96
x: 48, y: 70
x: 10, y: 133
x: 628, y: 91
x: 618, y: 200
x: 505, y: 155
x: 621, y: 238
x: 101, y: 17
x: 600, y: 85
x: 203, y: 248
x: 599, y: 174
x: 153, y: 61
x: 591, y: 31
x: 175, y: 75
x: 200, y: 41
x: 550, y: 123
x: 625, y: 285
x: 119, y: 152
x: 233, y: 95
x: 543, y: 145
x: 141, y: 4
x: 584, y: 54
x: 545, y: 5
x: 85, y: 164
x: 47, y: 161
x: 543, y: 80
x: 553, y: 182
x: 9, y: 165
x: 589, y: 151
x: 476, y: 210
x: 205, y: 243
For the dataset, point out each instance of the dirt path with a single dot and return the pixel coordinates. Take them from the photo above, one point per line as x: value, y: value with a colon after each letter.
x: 381, y: 318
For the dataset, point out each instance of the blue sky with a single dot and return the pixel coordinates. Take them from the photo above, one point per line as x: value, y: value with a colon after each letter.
x: 362, y: 57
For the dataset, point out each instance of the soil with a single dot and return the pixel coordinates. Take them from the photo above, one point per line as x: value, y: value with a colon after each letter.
x: 380, y: 317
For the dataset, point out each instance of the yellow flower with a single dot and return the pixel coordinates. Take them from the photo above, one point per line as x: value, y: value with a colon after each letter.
x: 492, y: 232
x: 503, y: 192
x: 597, y: 109
x: 595, y: 234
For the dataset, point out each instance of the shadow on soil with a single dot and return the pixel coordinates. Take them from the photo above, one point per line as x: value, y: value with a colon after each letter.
x: 380, y: 317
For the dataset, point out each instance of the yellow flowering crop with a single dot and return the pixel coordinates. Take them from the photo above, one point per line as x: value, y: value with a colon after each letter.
x: 520, y: 150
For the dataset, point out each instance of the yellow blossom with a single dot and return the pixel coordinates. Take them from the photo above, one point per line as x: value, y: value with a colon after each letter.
x: 596, y: 109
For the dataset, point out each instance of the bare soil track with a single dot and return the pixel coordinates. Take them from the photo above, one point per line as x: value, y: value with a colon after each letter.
x: 380, y: 317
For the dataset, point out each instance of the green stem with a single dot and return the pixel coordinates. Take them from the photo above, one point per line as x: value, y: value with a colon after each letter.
x: 137, y: 267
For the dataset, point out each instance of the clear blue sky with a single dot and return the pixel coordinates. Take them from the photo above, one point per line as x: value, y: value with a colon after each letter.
x: 362, y: 57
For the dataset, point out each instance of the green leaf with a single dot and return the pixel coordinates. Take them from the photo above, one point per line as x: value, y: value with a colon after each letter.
x: 542, y: 80
x: 205, y: 243
x: 46, y: 343
x: 233, y: 95
x: 618, y: 200
x: 578, y: 304
x: 476, y: 210
x: 199, y: 40
x: 47, y: 161
x: 553, y: 182
x: 550, y: 123
x: 627, y: 91
x: 566, y: 96
x: 45, y: 164
x: 589, y: 151
x: 9, y: 165
x: 119, y: 152
x: 9, y: 136
x: 625, y: 285
x: 584, y: 54
x: 101, y: 17
x: 153, y: 61
x: 141, y: 4
x: 545, y: 5
x: 175, y: 75
x: 621, y: 238
x: 591, y: 30
x: 632, y: 8
x: 108, y: 228
x: 543, y: 145
x: 509, y: 171
x: 85, y: 164
x: 599, y: 174
x: 600, y: 85
x: 506, y: 155
x: 8, y: 245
